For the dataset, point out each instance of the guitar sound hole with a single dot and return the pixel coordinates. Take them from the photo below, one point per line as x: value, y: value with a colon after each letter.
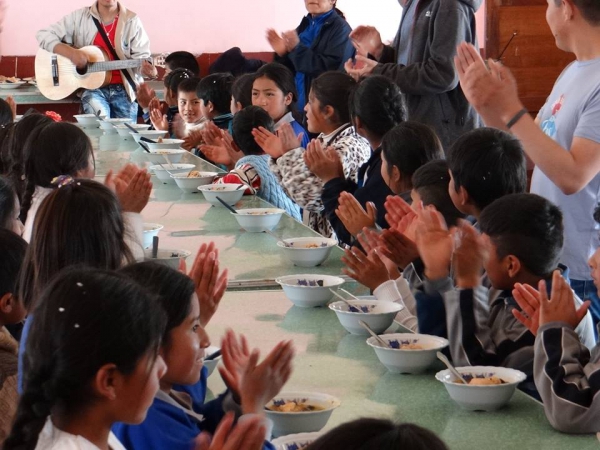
x: 82, y: 70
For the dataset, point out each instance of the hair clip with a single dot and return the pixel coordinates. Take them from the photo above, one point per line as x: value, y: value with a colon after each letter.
x: 62, y: 180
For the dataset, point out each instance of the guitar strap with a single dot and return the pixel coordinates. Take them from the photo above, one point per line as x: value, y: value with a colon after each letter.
x: 113, y: 52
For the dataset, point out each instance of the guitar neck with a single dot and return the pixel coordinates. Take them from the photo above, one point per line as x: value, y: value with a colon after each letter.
x: 107, y: 66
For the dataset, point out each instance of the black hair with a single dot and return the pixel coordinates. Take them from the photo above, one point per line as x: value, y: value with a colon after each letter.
x: 589, y: 9
x: 13, y: 147
x: 408, y: 146
x: 527, y: 226
x: 173, y: 288
x: 57, y: 148
x: 5, y: 138
x: 183, y: 60
x: 378, y: 434
x: 431, y: 182
x: 79, y: 224
x: 176, y: 77
x: 597, y: 213
x: 216, y: 88
x: 333, y: 89
x: 379, y: 104
x: 86, y: 319
x: 190, y: 85
x: 244, y: 122
x: 11, y: 259
x: 7, y: 203
x: 6, y: 115
x: 489, y: 164
x: 282, y: 77
x: 241, y: 90
x: 337, y: 10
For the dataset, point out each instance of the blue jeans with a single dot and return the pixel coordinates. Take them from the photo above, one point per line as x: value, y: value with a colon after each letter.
x: 112, y: 101
x: 586, y: 290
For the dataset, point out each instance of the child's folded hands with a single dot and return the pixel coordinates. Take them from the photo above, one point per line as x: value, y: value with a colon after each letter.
x: 353, y: 215
x: 324, y: 163
x: 469, y: 256
x: 435, y: 243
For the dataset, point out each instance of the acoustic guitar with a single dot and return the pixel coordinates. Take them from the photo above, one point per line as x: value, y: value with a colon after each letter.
x: 57, y: 77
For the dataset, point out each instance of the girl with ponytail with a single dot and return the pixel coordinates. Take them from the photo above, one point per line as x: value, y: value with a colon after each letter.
x: 92, y: 360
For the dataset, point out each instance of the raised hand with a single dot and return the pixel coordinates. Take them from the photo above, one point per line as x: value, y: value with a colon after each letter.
x: 236, y: 354
x: 398, y: 248
x: 291, y: 40
x: 144, y: 95
x: 371, y: 241
x: 367, y: 40
x: 13, y: 106
x: 359, y: 68
x: 528, y: 298
x: 399, y: 214
x: 276, y: 42
x: 132, y: 187
x: 368, y: 270
x: 211, y: 134
x: 325, y: 164
x: 261, y: 382
x: 247, y: 434
x: 434, y: 242
x: 217, y: 153
x: 352, y: 214
x: 158, y: 119
x: 210, y: 284
x: 469, y: 256
x: 271, y: 144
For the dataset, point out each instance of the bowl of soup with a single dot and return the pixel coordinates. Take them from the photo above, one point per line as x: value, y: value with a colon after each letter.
x: 379, y: 315
x: 300, y: 412
x: 257, y: 220
x: 309, y: 290
x: 228, y: 192
x: 307, y: 251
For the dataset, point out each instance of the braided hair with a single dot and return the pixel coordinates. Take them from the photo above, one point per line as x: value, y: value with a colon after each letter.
x: 379, y: 104
x: 86, y: 319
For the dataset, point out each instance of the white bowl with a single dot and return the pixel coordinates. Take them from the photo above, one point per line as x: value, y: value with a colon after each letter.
x: 168, y: 257
x: 213, y: 363
x: 257, y: 220
x: 227, y: 193
x: 482, y: 398
x: 125, y: 132
x: 87, y: 120
x: 295, y: 441
x: 161, y: 156
x: 150, y: 230
x: 301, y: 422
x: 148, y: 134
x: 190, y: 184
x: 161, y: 171
x: 307, y: 251
x: 165, y: 144
x: 304, y: 291
x: 377, y: 314
x: 399, y: 360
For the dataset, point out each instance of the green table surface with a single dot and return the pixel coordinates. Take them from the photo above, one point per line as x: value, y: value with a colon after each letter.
x: 329, y: 360
x: 189, y: 221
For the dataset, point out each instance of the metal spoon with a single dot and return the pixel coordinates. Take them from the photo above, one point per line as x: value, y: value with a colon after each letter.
x: 155, y: 247
x: 285, y: 244
x: 455, y: 372
x: 372, y: 333
x: 131, y: 128
x: 213, y: 355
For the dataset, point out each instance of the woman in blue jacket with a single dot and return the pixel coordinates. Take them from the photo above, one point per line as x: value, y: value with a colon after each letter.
x: 320, y: 43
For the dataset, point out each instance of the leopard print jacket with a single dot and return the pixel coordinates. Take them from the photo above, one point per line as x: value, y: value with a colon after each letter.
x: 305, y: 188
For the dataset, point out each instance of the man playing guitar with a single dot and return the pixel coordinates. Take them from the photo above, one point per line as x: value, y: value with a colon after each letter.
x: 129, y: 39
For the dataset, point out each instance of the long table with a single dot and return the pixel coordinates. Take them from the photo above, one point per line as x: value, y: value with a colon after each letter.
x: 328, y: 359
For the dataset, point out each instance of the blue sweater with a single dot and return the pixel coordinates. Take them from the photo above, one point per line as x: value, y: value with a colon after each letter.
x: 168, y: 427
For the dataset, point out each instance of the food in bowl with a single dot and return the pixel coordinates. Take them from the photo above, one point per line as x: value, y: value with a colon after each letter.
x: 403, y: 355
x: 228, y: 192
x: 378, y: 315
x: 309, y: 291
x: 298, y: 441
x: 293, y: 406
x: 190, y: 184
x: 485, y: 394
x: 307, y: 251
x: 315, y: 410
x: 164, y: 171
x: 168, y: 257
x: 257, y: 220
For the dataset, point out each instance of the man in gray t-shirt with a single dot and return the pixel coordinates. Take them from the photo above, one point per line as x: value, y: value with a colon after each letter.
x: 564, y: 141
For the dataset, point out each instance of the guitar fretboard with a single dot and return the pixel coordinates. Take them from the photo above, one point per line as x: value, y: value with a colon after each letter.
x: 114, y: 65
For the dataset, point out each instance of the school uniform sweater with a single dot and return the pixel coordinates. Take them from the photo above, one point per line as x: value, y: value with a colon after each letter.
x: 483, y: 331
x: 175, y: 419
x: 567, y: 377
x: 370, y: 187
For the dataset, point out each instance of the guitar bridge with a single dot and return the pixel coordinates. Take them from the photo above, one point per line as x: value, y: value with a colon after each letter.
x: 55, y: 70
